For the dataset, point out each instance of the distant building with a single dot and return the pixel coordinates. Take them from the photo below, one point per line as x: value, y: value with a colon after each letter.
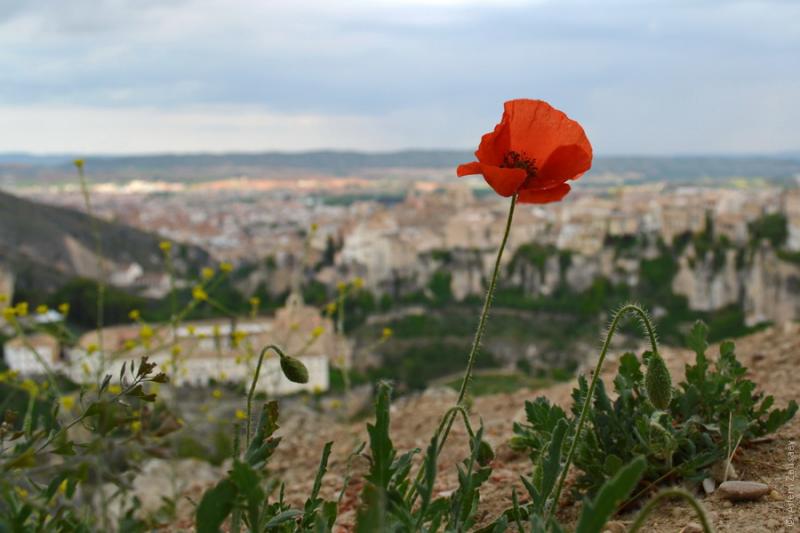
x: 199, y: 351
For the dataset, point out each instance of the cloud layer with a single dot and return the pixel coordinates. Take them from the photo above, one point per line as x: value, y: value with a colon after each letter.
x: 675, y: 76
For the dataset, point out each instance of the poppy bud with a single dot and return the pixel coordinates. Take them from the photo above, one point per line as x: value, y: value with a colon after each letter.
x: 485, y: 453
x: 658, y: 382
x: 294, y: 370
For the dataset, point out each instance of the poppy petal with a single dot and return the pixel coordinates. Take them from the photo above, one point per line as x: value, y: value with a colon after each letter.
x: 534, y: 196
x: 505, y: 181
x: 495, y: 145
x: 565, y: 163
x: 468, y: 168
x: 537, y: 129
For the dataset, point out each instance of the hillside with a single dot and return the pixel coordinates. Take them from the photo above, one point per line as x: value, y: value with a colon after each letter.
x: 44, y: 246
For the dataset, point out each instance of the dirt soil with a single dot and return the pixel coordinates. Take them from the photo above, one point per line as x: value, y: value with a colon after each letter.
x: 772, y: 357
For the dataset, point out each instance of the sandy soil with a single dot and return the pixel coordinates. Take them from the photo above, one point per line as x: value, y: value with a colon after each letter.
x: 772, y: 357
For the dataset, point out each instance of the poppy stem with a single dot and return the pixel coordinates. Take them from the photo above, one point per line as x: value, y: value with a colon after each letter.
x: 450, y: 416
x: 487, y: 304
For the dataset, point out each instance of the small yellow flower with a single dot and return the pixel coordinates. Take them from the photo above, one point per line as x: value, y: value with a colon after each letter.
x: 3, y: 298
x: 336, y: 404
x: 255, y: 301
x: 317, y: 389
x: 41, y: 309
x: 225, y: 267
x: 9, y: 313
x: 79, y: 164
x: 317, y: 331
x: 114, y: 389
x: 331, y: 308
x: 358, y: 283
x: 191, y: 329
x: 67, y: 402
x: 130, y: 344
x: 387, y: 332
x: 62, y: 487
x: 237, y: 337
x: 136, y: 426
x: 63, y: 308
x: 22, y: 309
x: 294, y: 327
x: 165, y: 246
x: 85, y: 369
x: 22, y: 493
x: 146, y: 332
x: 199, y: 294
x: 30, y: 387
x: 342, y: 286
x: 134, y: 314
x: 216, y: 394
x: 91, y: 348
x: 314, y: 227
x: 241, y: 415
x: 207, y: 273
x: 223, y: 376
x: 176, y: 350
x: 238, y: 359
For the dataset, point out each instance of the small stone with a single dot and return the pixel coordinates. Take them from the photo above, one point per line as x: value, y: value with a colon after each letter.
x: 743, y: 490
x: 718, y: 471
x: 615, y: 526
x: 709, y: 486
x: 692, y: 527
x: 776, y: 496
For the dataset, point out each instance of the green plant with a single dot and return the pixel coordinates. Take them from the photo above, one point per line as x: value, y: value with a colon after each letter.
x: 681, y: 441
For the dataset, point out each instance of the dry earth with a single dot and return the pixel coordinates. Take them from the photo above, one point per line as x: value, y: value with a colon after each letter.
x: 772, y: 357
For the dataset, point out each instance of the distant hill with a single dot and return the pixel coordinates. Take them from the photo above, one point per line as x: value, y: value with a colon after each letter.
x: 45, y: 246
x: 16, y: 169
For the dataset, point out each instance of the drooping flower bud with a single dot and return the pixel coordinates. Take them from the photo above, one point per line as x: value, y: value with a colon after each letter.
x: 658, y: 382
x: 294, y: 370
x: 485, y: 453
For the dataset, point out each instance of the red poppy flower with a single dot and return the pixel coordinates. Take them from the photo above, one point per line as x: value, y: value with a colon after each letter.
x: 534, y: 151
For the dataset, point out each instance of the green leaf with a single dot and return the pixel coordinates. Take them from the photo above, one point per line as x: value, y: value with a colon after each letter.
x: 595, y: 514
x: 215, y: 506
x: 283, y: 517
x: 551, y: 466
x: 381, y: 447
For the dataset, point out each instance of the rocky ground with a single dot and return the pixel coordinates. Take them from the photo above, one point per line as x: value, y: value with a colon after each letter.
x: 772, y: 357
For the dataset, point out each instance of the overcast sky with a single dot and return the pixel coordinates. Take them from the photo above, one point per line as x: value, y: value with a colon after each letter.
x: 643, y: 77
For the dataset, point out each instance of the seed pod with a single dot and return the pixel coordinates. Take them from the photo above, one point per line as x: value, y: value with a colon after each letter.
x: 294, y: 370
x: 658, y: 382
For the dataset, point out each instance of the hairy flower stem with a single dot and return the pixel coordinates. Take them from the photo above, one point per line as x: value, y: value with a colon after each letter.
x: 101, y: 270
x: 645, y: 319
x: 671, y: 493
x: 253, y: 388
x: 449, y: 417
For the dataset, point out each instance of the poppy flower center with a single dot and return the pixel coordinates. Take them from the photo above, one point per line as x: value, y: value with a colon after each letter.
x: 514, y: 159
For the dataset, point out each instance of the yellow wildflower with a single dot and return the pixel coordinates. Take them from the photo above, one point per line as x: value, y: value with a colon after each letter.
x: 241, y: 415
x: 199, y: 294
x: 387, y: 332
x: 255, y: 301
x: 207, y: 273
x: 190, y: 329
x: 63, y: 308
x: 176, y: 350
x: 330, y: 308
x: 30, y: 387
x: 358, y: 283
x: 91, y: 348
x: 22, y: 309
x: 146, y: 332
x: 62, y: 487
x: 130, y: 344
x: 41, y: 309
x: 317, y: 331
x: 165, y: 246
x: 78, y: 164
x: 67, y: 402
x: 3, y: 298
x: 136, y: 426
x: 9, y: 313
x: 22, y: 493
x: 314, y: 227
x: 216, y: 394
x: 342, y: 286
x: 134, y: 314
x: 225, y: 267
x: 86, y: 369
x: 114, y: 389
